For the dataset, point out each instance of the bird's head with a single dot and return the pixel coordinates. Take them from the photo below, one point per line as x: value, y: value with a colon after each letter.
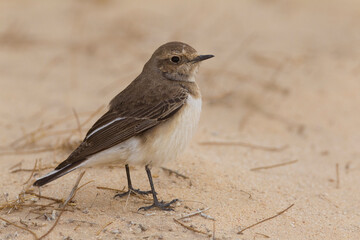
x: 177, y: 61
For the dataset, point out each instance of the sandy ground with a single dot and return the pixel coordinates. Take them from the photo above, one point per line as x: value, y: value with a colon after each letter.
x: 284, y: 86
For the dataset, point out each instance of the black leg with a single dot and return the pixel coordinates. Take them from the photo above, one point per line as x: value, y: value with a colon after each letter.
x: 162, y: 205
x: 130, y: 187
x: 128, y: 176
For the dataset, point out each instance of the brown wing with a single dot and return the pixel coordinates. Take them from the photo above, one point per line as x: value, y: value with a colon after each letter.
x: 117, y: 125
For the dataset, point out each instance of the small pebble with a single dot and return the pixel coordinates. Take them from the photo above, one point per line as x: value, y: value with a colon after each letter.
x: 53, y: 215
x: 115, y: 231
x: 143, y: 227
x: 150, y: 214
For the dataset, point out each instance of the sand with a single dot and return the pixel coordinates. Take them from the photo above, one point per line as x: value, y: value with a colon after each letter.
x: 283, y: 87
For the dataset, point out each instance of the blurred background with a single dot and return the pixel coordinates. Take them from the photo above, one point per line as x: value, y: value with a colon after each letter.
x: 285, y: 78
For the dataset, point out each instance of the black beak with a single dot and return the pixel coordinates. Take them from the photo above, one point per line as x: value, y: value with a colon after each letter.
x: 201, y: 58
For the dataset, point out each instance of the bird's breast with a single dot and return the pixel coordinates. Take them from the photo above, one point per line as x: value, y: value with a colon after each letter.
x: 169, y: 139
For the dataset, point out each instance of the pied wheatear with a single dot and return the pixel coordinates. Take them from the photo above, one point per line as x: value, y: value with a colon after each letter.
x: 151, y: 121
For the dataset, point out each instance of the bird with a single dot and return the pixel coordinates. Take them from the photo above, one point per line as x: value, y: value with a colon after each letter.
x: 148, y: 123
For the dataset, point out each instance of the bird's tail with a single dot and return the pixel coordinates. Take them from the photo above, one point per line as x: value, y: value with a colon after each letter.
x: 55, y: 174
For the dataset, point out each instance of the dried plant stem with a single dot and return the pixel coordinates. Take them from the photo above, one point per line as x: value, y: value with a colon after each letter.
x: 40, y: 150
x: 33, y: 133
x: 337, y: 176
x: 77, y: 122
x: 93, y: 115
x: 274, y: 166
x: 44, y: 197
x: 250, y: 196
x: 70, y: 197
x: 191, y: 228
x: 207, y: 216
x: 214, y: 228
x: 23, y: 228
x: 194, y: 213
x: 174, y: 172
x: 85, y: 184
x: 53, y: 226
x: 32, y: 172
x: 111, y: 189
x: 37, y: 205
x: 244, y: 144
x: 16, y: 165
x: 106, y: 225
x: 261, y: 235
x: 266, y: 219
x: 46, y: 131
x: 73, y: 190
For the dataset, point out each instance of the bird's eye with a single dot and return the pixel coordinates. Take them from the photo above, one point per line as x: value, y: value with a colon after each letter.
x: 175, y: 59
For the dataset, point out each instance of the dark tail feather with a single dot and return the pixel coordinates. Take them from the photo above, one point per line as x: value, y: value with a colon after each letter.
x: 51, y: 176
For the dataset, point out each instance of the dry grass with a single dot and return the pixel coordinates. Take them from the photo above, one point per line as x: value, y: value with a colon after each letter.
x: 37, y: 141
x: 25, y: 200
x: 266, y: 219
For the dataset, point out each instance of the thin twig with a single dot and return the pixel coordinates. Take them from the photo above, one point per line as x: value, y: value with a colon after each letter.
x: 207, y: 216
x: 191, y: 228
x: 24, y: 152
x: 250, y: 196
x: 44, y: 197
x: 24, y: 137
x: 174, y: 172
x: 123, y: 191
x: 32, y: 172
x: 127, y: 200
x: 54, y: 225
x: 194, y: 213
x: 23, y: 228
x: 111, y: 189
x: 73, y: 190
x: 323, y: 197
x: 244, y: 144
x: 37, y: 205
x: 266, y: 219
x: 213, y: 235
x: 274, y: 166
x: 43, y: 132
x: 244, y: 121
x: 23, y: 223
x: 5, y: 196
x: 77, y: 121
x: 16, y: 165
x: 106, y: 225
x: 84, y: 185
x: 337, y: 176
x: 71, y: 196
x: 262, y: 235
x: 93, y: 115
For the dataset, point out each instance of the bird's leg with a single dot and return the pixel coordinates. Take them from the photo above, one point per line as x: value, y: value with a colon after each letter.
x: 131, y: 190
x: 162, y: 205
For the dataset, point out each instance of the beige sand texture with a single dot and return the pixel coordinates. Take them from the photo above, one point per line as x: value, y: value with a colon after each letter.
x: 284, y: 87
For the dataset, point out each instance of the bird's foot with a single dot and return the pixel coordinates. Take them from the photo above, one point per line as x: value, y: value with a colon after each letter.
x: 165, y: 206
x: 132, y: 191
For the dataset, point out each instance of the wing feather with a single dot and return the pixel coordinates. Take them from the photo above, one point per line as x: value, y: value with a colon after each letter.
x: 116, y: 126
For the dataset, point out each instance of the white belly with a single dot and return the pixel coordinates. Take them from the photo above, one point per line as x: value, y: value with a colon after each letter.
x: 164, y: 142
x: 170, y: 139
